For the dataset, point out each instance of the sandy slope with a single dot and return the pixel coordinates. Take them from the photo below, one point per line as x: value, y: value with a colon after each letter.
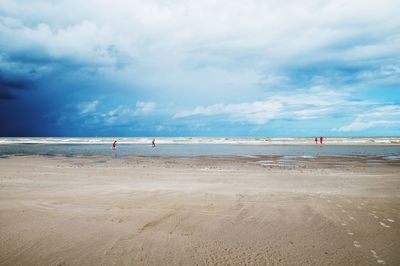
x: 205, y: 211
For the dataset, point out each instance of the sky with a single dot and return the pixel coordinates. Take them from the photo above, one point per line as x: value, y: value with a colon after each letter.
x: 199, y: 68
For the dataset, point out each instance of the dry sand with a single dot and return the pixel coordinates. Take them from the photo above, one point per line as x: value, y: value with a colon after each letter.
x: 198, y: 211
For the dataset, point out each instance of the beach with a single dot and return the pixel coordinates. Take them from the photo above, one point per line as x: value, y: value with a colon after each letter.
x: 180, y: 133
x: 203, y: 210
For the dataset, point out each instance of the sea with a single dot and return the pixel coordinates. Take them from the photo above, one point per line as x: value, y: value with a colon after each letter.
x: 386, y: 147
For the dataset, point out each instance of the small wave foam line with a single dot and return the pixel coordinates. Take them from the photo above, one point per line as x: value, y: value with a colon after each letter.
x: 206, y: 140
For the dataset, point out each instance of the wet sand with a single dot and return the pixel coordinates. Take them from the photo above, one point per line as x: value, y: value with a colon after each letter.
x: 202, y: 210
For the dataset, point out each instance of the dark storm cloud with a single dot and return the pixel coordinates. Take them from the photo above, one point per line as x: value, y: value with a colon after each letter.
x: 9, y: 87
x: 81, y: 72
x: 14, y: 84
x: 4, y: 95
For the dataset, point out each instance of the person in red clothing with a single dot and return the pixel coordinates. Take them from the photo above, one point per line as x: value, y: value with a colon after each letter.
x: 321, y: 140
x: 114, y: 144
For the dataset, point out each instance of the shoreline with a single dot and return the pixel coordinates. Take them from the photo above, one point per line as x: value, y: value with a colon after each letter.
x: 233, y: 144
x: 197, y: 149
x: 258, y: 141
x: 249, y: 158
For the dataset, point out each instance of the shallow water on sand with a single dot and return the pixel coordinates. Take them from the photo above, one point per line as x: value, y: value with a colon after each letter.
x: 190, y: 150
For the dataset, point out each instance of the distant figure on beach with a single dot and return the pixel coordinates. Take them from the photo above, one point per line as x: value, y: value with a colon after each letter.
x: 321, y: 140
x: 153, y: 143
x: 316, y: 140
x: 114, y: 144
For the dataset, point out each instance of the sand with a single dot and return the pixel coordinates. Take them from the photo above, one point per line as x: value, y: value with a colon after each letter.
x: 199, y: 211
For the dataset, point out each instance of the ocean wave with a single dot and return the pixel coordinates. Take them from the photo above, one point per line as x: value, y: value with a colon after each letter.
x: 207, y: 140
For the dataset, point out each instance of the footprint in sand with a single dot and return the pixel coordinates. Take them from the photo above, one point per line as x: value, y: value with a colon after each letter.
x: 390, y: 220
x: 372, y: 214
x: 350, y: 233
x: 374, y: 254
x: 384, y: 225
x: 356, y: 244
x: 351, y: 217
x: 378, y: 260
x: 344, y: 224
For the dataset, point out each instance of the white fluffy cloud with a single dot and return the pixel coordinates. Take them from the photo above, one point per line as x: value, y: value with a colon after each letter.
x: 125, y: 115
x: 179, y: 41
x: 384, y: 116
x: 255, y: 113
x: 88, y: 107
x: 359, y: 125
x: 84, y: 43
x: 144, y: 108
x: 314, y: 103
x: 93, y: 113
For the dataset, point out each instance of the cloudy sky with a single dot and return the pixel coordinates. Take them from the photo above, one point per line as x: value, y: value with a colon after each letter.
x: 199, y: 68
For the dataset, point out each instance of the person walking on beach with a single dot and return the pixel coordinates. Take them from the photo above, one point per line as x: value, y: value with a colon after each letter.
x: 153, y: 143
x: 114, y: 144
x: 316, y: 140
x: 321, y: 140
